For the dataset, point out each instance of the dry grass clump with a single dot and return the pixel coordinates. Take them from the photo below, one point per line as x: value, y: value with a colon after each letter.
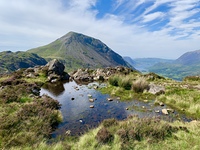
x: 125, y: 83
x: 109, y: 122
x: 140, y: 85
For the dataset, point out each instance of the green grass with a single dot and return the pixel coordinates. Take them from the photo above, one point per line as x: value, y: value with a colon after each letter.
x: 134, y: 133
x: 183, y: 99
x: 128, y: 87
x: 41, y: 78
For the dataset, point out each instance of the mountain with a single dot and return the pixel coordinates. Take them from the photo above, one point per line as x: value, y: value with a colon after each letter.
x: 189, y: 58
x: 143, y: 64
x: 76, y: 50
x: 10, y: 61
x: 187, y: 64
x: 129, y: 60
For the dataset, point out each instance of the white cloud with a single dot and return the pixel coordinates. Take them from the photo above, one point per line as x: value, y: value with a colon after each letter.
x: 26, y: 24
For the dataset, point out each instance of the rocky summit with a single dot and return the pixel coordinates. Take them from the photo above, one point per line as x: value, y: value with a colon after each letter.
x: 80, y: 51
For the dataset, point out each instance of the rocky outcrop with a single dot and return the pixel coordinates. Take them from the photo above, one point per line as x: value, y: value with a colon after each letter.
x: 54, y: 70
x: 89, y: 75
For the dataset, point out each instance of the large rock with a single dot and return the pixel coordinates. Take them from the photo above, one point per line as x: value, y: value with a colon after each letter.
x: 55, y: 67
x: 56, y: 72
x: 82, y: 75
x: 156, y: 89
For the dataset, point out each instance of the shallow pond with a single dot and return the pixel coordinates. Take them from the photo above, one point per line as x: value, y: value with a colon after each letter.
x: 78, y: 117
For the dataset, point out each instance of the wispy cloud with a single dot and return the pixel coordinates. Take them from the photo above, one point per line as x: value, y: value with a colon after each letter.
x: 153, y: 16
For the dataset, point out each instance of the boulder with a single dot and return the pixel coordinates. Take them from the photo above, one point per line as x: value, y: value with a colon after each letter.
x: 82, y: 75
x: 55, y: 67
x: 55, y: 71
x: 156, y: 89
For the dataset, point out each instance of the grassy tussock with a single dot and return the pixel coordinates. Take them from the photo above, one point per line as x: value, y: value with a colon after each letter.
x: 140, y: 85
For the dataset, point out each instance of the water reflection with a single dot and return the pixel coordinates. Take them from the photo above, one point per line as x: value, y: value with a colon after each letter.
x: 78, y: 117
x: 54, y: 88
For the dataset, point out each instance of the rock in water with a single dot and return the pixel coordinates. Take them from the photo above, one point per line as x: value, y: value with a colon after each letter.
x: 91, y: 106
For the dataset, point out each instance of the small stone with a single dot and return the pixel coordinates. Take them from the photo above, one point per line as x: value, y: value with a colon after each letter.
x: 68, y: 132
x: 146, y: 101
x: 91, y: 100
x: 91, y: 106
x: 164, y: 111
x: 109, y: 99
x: 170, y: 110
x: 126, y: 108
x: 143, y: 107
x: 157, y: 111
x: 161, y: 104
x: 80, y: 120
x: 118, y: 98
x: 95, y: 87
x: 89, y: 95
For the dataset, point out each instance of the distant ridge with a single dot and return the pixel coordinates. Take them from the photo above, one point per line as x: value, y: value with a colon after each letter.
x: 189, y: 58
x: 187, y: 64
x: 10, y: 61
x: 76, y: 50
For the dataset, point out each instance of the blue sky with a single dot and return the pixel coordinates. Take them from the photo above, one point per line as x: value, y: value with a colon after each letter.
x: 135, y: 28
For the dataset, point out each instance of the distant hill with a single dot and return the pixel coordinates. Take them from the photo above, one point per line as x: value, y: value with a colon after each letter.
x: 143, y: 64
x: 186, y: 65
x: 76, y: 50
x: 189, y: 58
x: 10, y: 61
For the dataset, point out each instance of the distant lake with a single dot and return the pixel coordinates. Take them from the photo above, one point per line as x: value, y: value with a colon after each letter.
x: 78, y: 117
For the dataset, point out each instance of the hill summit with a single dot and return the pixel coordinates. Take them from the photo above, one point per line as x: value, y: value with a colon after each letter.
x: 76, y: 50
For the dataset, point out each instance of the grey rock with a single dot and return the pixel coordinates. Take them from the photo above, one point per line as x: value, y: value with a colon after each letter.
x: 156, y: 89
x: 55, y: 67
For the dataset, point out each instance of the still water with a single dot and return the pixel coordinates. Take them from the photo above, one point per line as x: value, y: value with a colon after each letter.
x: 78, y: 117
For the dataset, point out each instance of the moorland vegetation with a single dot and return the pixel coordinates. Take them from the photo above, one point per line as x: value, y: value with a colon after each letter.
x: 27, y: 119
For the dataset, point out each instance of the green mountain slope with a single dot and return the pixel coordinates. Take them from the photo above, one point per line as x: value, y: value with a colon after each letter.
x: 10, y: 61
x: 80, y: 51
x: 186, y: 65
